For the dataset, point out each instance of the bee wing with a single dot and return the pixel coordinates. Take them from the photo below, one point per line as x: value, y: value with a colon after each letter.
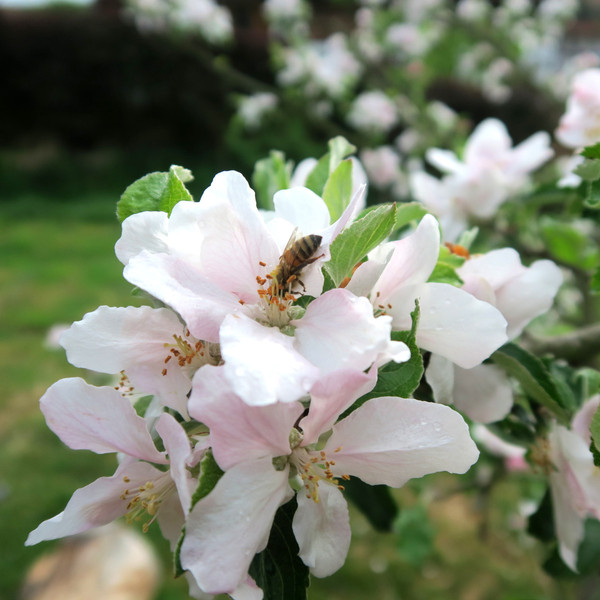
x: 293, y: 239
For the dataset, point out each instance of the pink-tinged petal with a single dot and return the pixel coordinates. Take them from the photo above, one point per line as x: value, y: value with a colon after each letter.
x: 303, y: 208
x: 496, y: 267
x: 440, y: 377
x: 583, y: 418
x: 531, y: 153
x: 247, y: 590
x: 413, y: 260
x: 365, y: 277
x: 171, y: 520
x: 455, y: 324
x: 99, y: 419
x: 331, y: 232
x: 529, y: 295
x: 322, y: 530
x: 178, y: 449
x: 488, y: 141
x: 483, y: 393
x: 239, y: 432
x: 202, y: 304
x: 95, y: 504
x: 331, y: 396
x: 142, y: 231
x: 339, y: 331
x: 110, y: 340
x: 228, y: 527
x: 262, y: 364
x: 430, y: 191
x: 444, y: 160
x: 390, y: 440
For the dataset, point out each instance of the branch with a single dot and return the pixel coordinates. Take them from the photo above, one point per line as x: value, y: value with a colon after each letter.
x: 576, y: 346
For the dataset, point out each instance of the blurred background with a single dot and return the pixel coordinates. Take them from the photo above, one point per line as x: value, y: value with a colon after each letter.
x: 89, y: 103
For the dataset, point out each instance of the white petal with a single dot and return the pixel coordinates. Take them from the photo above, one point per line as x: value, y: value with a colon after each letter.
x: 531, y: 153
x: 390, y: 440
x: 489, y: 140
x: 440, y: 377
x: 444, y: 160
x: 302, y: 171
x: 142, y: 231
x: 110, y: 340
x: 496, y: 267
x: 97, y: 418
x: 201, y: 303
x: 457, y: 325
x: 339, y: 331
x: 262, y: 364
x: 228, y: 527
x: 322, y: 530
x: 483, y: 393
x: 303, y: 208
x: 239, y: 432
x: 96, y: 504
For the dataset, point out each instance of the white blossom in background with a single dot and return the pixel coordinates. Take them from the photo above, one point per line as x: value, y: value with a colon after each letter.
x: 373, y: 111
x: 472, y: 10
x: 284, y: 10
x: 407, y: 38
x: 566, y: 166
x: 475, y: 187
x: 580, y: 125
x: 493, y: 83
x: 551, y: 10
x: 385, y: 171
x: 513, y: 455
x: 252, y: 109
x: 325, y: 66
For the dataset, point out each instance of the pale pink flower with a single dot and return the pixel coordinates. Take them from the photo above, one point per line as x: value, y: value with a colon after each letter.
x: 580, y: 125
x: 452, y: 323
x: 385, y: 441
x: 373, y: 111
x: 512, y: 455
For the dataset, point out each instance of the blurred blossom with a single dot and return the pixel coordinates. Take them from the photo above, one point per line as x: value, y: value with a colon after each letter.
x: 328, y: 65
x: 513, y: 455
x: 580, y: 125
x: 282, y: 10
x: 493, y: 83
x: 407, y: 38
x: 566, y: 166
x: 252, y: 109
x: 364, y: 18
x: 382, y: 165
x: 445, y: 118
x: 472, y: 10
x: 416, y: 11
x: 408, y: 140
x: 558, y: 9
x: 517, y: 7
x: 560, y: 82
x: 53, y: 336
x: 373, y: 111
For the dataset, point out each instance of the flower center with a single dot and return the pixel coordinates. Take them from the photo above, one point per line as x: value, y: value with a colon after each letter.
x: 189, y: 352
x: 146, y: 499
x: 315, y: 467
x: 276, y: 299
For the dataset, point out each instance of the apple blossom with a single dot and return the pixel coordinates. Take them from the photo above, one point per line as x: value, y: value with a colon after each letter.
x: 387, y: 440
x: 373, y: 111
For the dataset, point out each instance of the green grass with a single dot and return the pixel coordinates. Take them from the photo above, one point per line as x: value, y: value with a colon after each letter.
x: 58, y: 263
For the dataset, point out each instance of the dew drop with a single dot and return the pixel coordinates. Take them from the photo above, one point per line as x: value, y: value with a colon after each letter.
x: 437, y: 426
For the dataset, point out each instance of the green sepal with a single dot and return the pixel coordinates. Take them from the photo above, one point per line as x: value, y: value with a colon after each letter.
x: 210, y: 473
x: 534, y: 377
x: 445, y: 268
x: 269, y: 176
x: 339, y: 149
x: 141, y: 405
x: 355, y: 242
x: 278, y: 570
x: 375, y: 502
x: 155, y: 191
x: 588, y: 170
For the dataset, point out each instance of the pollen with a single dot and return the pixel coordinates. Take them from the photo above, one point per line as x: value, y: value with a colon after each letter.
x: 145, y: 500
x: 315, y: 469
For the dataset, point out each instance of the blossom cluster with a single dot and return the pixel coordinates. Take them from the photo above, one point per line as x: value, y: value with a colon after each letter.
x: 260, y: 363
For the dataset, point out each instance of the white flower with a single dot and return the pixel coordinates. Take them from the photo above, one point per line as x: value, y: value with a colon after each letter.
x: 373, y: 111
x: 252, y: 109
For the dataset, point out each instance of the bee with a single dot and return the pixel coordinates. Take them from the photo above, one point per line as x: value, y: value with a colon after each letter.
x: 299, y: 252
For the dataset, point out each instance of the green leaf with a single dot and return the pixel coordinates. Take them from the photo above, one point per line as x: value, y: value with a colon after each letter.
x: 588, y: 170
x: 467, y: 238
x: 355, y: 242
x: 591, y: 151
x: 338, y: 190
x: 595, y: 431
x: 408, y: 212
x: 270, y: 175
x: 374, y: 501
x: 534, y: 377
x: 317, y: 178
x: 445, y: 268
x: 568, y: 244
x: 339, y: 149
x: 416, y: 535
x: 141, y: 405
x: 541, y: 522
x: 155, y: 191
x: 595, y: 281
x: 278, y: 569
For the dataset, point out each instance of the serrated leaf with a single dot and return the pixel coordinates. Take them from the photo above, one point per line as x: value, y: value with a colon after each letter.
x: 591, y: 151
x: 155, y: 191
x: 588, y: 170
x: 534, y: 377
x: 175, y: 192
x: 338, y: 190
x: 355, y: 242
x: 270, y: 175
x: 278, y: 570
x: 415, y: 535
x: 407, y: 212
x: 374, y: 501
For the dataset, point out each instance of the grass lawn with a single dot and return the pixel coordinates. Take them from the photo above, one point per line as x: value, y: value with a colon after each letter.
x: 57, y: 264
